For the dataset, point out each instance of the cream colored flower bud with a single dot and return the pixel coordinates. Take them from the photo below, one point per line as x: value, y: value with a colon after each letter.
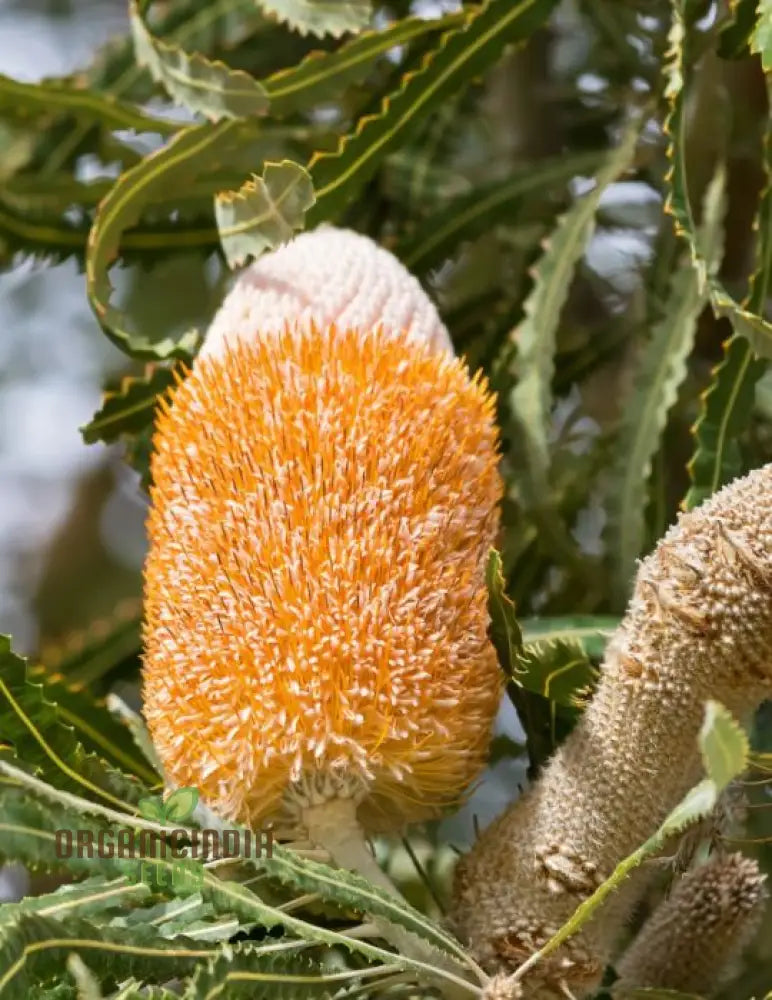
x: 693, y: 939
x: 699, y: 626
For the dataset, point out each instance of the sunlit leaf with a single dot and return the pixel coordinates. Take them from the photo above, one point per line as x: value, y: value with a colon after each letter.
x: 202, y: 85
x: 264, y: 212
x: 723, y: 744
x: 320, y: 17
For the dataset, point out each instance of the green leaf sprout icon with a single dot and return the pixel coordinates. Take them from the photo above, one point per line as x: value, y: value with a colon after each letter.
x: 178, y: 808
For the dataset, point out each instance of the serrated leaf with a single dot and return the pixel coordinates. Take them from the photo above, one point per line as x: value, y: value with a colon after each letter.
x: 264, y: 212
x: 322, y: 75
x: 200, y: 84
x: 662, y: 369
x: 320, y: 17
x: 761, y: 37
x: 557, y: 669
x: 40, y: 740
x: 130, y: 409
x: 96, y: 108
x: 460, y: 56
x: 475, y: 211
x: 238, y: 971
x: 27, y: 826
x: 680, y: 66
x: 530, y: 402
x: 349, y: 890
x: 34, y: 948
x: 723, y: 744
x: 504, y: 629
x: 88, y: 898
x: 725, y: 411
x: 96, y: 727
x: 191, y: 152
x: 726, y: 406
x: 590, y: 631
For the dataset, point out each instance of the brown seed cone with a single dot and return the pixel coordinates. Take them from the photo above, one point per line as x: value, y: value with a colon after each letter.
x: 699, y: 626
x: 693, y: 938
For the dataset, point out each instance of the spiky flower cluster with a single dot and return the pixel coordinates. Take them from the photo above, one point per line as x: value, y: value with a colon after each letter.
x: 324, y: 499
x: 694, y: 937
x: 699, y: 626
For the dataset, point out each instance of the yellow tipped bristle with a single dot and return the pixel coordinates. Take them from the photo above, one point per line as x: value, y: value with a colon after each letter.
x: 323, y: 505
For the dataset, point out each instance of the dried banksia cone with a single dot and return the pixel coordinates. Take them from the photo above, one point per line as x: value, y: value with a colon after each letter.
x: 694, y: 938
x: 699, y: 626
x: 315, y: 643
x: 326, y: 276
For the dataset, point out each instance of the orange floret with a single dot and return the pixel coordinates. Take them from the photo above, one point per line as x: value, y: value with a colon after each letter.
x: 323, y: 506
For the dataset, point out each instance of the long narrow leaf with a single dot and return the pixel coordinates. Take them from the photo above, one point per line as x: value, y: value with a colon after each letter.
x: 662, y: 369
x: 530, y: 402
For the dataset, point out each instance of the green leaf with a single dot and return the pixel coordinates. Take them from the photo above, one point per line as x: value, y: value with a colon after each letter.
x: 473, y: 212
x: 504, y: 630
x: 27, y: 832
x: 761, y: 38
x: 35, y: 948
x: 130, y: 409
x: 349, y: 890
x: 727, y: 404
x: 187, y: 155
x: 723, y: 744
x: 745, y: 320
x: 321, y: 76
x: 40, y: 740
x: 180, y: 804
x: 590, y: 631
x: 460, y: 56
x: 198, y: 83
x: 662, y: 369
x: 152, y: 809
x: 264, y: 212
x: 725, y: 411
x: 237, y: 971
x: 557, y: 669
x: 320, y: 17
x: 84, y: 899
x: 530, y: 402
x: 96, y: 727
x: 100, y: 108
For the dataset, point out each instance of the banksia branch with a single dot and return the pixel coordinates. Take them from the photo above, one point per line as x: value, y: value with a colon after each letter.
x: 326, y: 493
x: 693, y: 939
x: 699, y: 626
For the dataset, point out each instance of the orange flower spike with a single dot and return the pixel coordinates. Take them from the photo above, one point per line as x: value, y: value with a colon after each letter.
x: 324, y: 499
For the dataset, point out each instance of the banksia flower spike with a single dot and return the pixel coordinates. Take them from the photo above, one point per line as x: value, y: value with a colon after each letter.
x: 693, y: 939
x: 699, y: 626
x: 325, y: 495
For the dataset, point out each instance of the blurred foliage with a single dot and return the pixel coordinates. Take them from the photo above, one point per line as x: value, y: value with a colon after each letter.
x: 584, y: 189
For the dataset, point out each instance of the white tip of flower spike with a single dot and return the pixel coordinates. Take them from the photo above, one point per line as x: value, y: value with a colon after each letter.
x: 325, y: 276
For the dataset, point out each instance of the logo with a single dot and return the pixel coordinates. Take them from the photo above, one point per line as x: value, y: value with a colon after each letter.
x: 170, y: 858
